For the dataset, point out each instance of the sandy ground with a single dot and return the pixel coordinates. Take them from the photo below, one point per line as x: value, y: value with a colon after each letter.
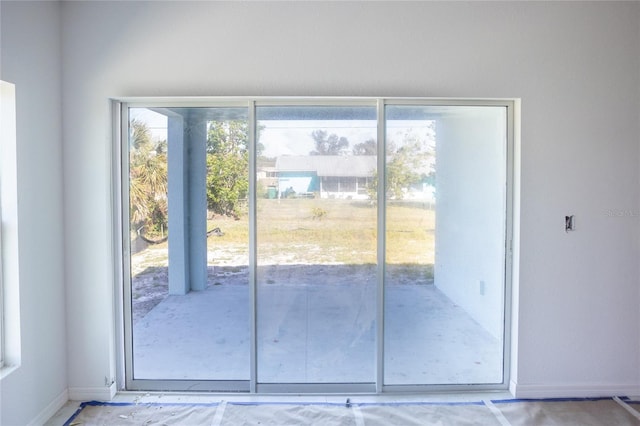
x: 314, y: 333
x: 150, y: 283
x: 317, y: 324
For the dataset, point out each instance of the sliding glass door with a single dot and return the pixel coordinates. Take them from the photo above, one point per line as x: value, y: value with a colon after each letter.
x: 189, y: 240
x: 315, y: 245
x: 446, y: 187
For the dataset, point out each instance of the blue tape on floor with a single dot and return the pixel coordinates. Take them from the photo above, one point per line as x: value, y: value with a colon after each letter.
x: 319, y: 404
x: 586, y: 399
x: 146, y: 404
x: 183, y: 404
x: 416, y: 403
x: 360, y: 404
x: 338, y: 404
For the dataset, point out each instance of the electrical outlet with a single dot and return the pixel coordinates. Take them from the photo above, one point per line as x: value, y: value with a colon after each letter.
x: 482, y: 285
x: 569, y: 223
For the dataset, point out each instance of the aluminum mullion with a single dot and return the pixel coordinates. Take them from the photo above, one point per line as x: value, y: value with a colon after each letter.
x: 448, y: 102
x: 381, y: 203
x: 170, y: 385
x: 117, y: 241
x: 253, y: 255
x: 126, y: 245
x: 441, y: 388
x: 316, y: 388
x: 508, y: 254
x: 189, y: 102
x: 315, y: 102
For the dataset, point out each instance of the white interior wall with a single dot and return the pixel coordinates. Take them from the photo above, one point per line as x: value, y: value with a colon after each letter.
x: 574, y: 65
x: 30, y: 58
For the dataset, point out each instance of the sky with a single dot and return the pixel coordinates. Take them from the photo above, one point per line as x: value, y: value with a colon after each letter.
x: 293, y: 137
x: 287, y: 137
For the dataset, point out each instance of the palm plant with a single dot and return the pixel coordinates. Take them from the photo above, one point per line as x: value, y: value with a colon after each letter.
x: 148, y: 180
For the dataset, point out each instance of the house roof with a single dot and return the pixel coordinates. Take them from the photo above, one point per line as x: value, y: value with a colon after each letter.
x: 329, y: 165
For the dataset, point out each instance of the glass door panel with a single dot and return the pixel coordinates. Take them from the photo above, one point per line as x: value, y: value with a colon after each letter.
x: 148, y: 231
x: 316, y: 244
x: 445, y: 238
x: 190, y: 297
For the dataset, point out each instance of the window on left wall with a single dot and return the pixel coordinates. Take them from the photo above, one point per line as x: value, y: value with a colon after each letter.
x: 9, y: 291
x: 1, y: 300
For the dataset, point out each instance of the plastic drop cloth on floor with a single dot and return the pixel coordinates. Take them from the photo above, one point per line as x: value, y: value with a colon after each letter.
x: 579, y: 411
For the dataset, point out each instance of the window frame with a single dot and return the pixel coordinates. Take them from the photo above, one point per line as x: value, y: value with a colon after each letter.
x: 120, y: 176
x: 2, y: 333
x: 10, y: 348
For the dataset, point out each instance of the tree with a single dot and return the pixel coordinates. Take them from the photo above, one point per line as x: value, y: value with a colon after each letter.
x: 368, y: 147
x: 227, y: 166
x: 227, y: 137
x: 148, y: 176
x: 407, y: 165
x: 227, y: 183
x: 401, y: 172
x: 329, y: 144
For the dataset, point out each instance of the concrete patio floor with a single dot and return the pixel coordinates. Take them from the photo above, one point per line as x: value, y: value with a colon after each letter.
x: 314, y: 333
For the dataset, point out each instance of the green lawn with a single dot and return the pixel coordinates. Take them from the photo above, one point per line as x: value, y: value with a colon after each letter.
x: 344, y: 230
x: 322, y: 231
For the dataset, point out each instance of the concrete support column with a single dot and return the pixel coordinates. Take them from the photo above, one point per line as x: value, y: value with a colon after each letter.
x: 187, y: 140
x: 197, y: 170
x: 179, y: 277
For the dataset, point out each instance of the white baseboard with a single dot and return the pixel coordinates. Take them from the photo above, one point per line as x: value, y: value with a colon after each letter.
x: 51, y: 409
x: 93, y: 394
x: 572, y: 391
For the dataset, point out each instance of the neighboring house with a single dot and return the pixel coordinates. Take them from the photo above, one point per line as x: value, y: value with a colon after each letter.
x: 326, y: 176
x: 267, y: 176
